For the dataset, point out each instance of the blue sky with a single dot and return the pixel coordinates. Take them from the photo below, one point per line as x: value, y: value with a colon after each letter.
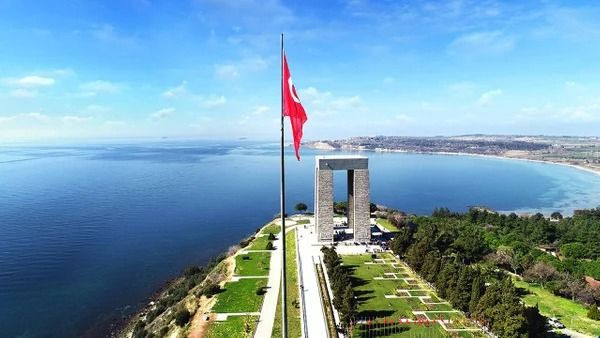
x: 210, y: 69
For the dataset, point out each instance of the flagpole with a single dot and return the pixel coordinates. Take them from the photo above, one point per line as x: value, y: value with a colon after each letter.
x: 282, y: 215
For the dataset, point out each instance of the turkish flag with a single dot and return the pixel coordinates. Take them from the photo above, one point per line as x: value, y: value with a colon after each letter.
x: 292, y: 107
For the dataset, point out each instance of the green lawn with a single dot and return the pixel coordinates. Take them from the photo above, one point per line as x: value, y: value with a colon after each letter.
x: 303, y: 221
x: 293, y: 300
x: 259, y: 243
x: 373, y: 304
x: 572, y: 314
x: 252, y: 264
x: 386, y: 224
x: 233, y: 327
x: 271, y: 229
x: 240, y: 296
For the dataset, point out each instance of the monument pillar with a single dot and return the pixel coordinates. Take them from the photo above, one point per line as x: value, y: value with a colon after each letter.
x: 358, y: 211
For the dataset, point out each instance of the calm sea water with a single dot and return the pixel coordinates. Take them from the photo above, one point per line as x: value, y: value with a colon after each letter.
x: 87, y: 233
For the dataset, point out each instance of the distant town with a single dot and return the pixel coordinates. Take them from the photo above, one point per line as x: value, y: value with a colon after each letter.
x: 579, y: 151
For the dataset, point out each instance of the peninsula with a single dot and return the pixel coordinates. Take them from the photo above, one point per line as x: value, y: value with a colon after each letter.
x: 583, y: 152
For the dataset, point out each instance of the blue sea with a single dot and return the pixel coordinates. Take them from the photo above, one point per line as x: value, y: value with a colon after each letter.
x: 89, y: 232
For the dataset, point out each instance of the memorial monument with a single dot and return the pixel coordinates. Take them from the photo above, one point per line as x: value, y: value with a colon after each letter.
x: 358, y: 211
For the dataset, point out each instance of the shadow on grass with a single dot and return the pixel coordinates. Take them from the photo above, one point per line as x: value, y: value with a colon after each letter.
x: 379, y: 330
x: 375, y: 314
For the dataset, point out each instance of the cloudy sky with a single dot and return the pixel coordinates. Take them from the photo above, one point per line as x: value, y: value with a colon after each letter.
x: 210, y: 68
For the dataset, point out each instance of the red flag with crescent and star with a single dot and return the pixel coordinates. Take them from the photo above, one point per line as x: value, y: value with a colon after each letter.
x: 292, y: 107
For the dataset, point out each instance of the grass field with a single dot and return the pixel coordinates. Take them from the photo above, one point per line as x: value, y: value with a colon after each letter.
x: 293, y: 297
x: 573, y: 315
x: 259, y: 243
x: 271, y: 229
x: 253, y: 264
x: 375, y: 306
x: 302, y: 221
x: 233, y: 327
x: 386, y: 224
x: 240, y: 296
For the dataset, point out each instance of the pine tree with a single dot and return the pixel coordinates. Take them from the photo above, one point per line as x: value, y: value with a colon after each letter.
x: 477, y: 291
x: 462, y: 291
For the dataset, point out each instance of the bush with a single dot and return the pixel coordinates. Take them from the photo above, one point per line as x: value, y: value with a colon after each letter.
x: 244, y: 243
x: 191, y: 270
x: 269, y: 246
x: 182, y: 317
x: 163, y: 331
x: 271, y: 237
x: 210, y: 290
x: 260, y: 291
x: 593, y: 312
x: 574, y: 250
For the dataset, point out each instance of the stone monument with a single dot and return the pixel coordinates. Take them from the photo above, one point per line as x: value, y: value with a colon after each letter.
x: 357, y: 168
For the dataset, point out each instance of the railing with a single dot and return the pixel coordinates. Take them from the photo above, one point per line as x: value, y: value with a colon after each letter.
x: 301, y: 287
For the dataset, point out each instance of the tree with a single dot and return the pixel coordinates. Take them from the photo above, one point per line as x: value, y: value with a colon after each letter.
x: 271, y: 237
x: 269, y: 246
x: 182, y: 317
x: 593, y: 312
x: 536, y: 323
x: 556, y: 215
x: 540, y: 272
x: 301, y: 207
x: 471, y: 243
x: 462, y: 292
x: 477, y: 290
x: 348, y: 308
x: 574, y: 250
x: 401, y: 241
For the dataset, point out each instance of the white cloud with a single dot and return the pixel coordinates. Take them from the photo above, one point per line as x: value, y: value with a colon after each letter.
x: 25, y: 117
x: 325, y: 103
x: 35, y: 81
x: 486, y: 98
x: 214, y: 101
x: 75, y: 119
x: 97, y: 109
x: 117, y: 124
x: 162, y: 113
x: 481, y: 43
x: 99, y: 86
x: 260, y: 110
x: 227, y: 72
x: 233, y: 70
x: 176, y: 92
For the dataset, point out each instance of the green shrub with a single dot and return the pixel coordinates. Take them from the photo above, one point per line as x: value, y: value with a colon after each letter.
x: 260, y: 291
x: 593, y: 312
x: 269, y: 246
x: 182, y: 317
x: 210, y: 290
x: 271, y: 237
x: 191, y: 270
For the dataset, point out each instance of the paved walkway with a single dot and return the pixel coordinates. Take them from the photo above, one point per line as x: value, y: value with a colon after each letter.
x: 315, y: 318
x: 264, y: 327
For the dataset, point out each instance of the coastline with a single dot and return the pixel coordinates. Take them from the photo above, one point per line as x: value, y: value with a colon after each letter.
x: 128, y: 324
x: 501, y: 157
x: 545, y: 211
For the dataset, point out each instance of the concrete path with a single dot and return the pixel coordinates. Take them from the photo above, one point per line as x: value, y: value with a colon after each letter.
x: 269, y: 307
x: 315, y: 318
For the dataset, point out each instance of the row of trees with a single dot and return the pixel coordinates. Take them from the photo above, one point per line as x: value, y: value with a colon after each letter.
x: 344, y: 299
x: 442, y: 250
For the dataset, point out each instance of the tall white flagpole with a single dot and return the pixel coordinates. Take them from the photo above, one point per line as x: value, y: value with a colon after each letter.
x: 282, y: 214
